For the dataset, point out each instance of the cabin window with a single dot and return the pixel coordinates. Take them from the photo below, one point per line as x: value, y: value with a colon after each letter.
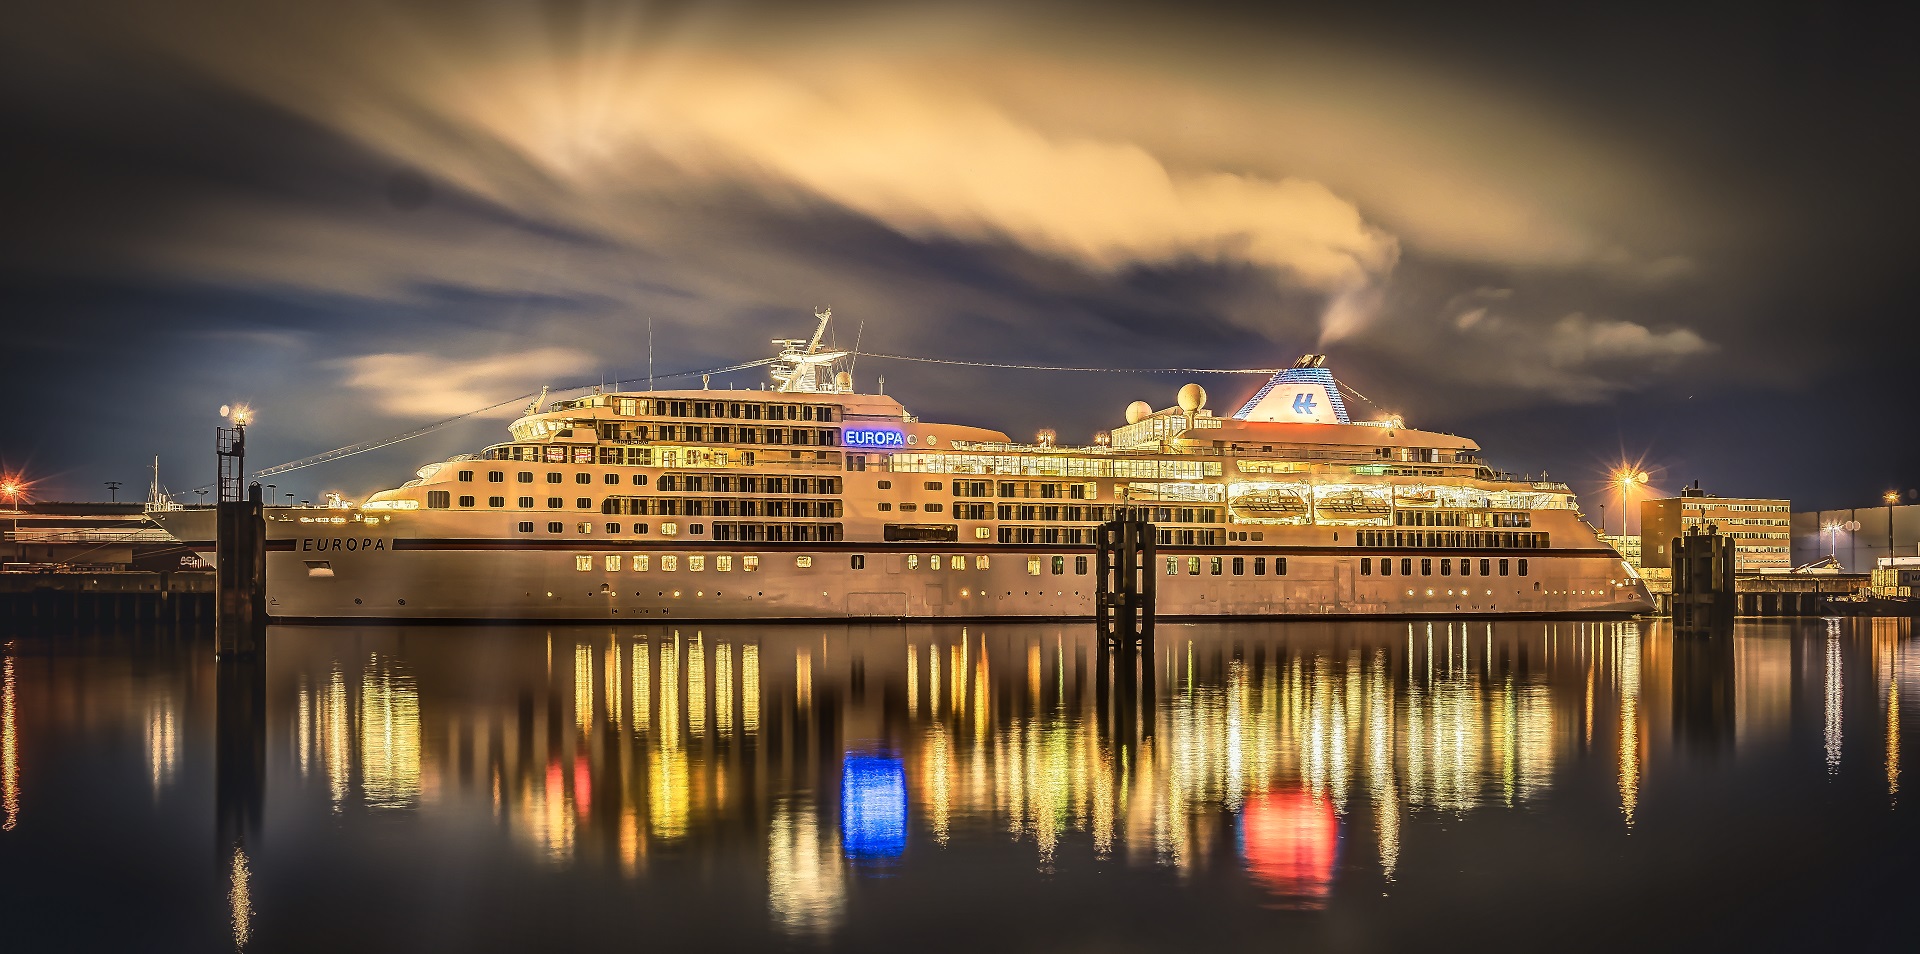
x: 669, y: 563
x: 1213, y: 569
x: 1059, y: 565
x: 583, y: 562
x: 1239, y: 566
x: 1366, y: 566
x: 934, y: 508
x: 584, y: 527
x: 612, y: 564
x: 913, y: 561
x: 1080, y: 565
x: 1279, y: 566
x: 555, y: 503
x: 1426, y: 567
x: 1446, y: 567
x: 583, y: 503
x: 556, y: 527
x: 931, y: 485
x: 1386, y: 566
x: 494, y: 476
x: 583, y: 478
x: 525, y: 477
x: 1484, y: 566
x: 982, y: 533
x: 610, y: 479
x: 437, y: 499
x: 1406, y: 566
x: 1033, y: 566
x: 1193, y: 566
x: 697, y: 563
x: 640, y: 528
x: 908, y: 508
x: 723, y: 564
x: 466, y: 476
x: 1259, y: 566
x: 696, y: 528
x: 496, y: 502
x: 980, y: 562
x: 613, y: 528
x: 1466, y: 567
x: 1173, y: 566
x: 640, y: 561
x: 884, y: 507
x: 750, y: 563
x: 858, y: 561
x: 1503, y: 568
x: 553, y: 478
x: 885, y: 485
x: 526, y: 503
x: 1523, y: 566
x: 639, y: 480
x: 466, y: 500
x: 803, y: 562
x: 526, y: 526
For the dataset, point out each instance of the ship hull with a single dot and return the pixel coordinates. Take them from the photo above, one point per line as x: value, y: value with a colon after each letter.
x: 371, y: 573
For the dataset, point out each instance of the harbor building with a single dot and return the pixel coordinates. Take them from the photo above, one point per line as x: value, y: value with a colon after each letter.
x: 1759, y: 526
x: 1882, y: 531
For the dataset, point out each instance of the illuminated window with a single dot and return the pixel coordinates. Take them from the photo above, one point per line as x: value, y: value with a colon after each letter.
x: 613, y: 528
x: 982, y: 533
x: 612, y: 564
x: 803, y: 562
x: 1193, y: 566
x: 913, y: 561
x: 1214, y: 568
x: 980, y: 562
x: 1173, y: 566
x: 639, y: 528
x: 583, y: 562
x: 1033, y: 566
x: 669, y: 529
x: 669, y: 563
x: 585, y: 527
x: 1059, y: 565
x: 640, y: 562
x: 696, y: 563
x: 749, y: 563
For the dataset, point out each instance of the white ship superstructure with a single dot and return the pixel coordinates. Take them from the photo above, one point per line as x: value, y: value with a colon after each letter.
x: 810, y: 500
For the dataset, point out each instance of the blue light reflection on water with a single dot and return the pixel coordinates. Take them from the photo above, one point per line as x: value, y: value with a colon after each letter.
x: 873, y: 807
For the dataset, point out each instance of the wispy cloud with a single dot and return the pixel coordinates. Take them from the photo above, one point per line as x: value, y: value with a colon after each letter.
x: 418, y: 385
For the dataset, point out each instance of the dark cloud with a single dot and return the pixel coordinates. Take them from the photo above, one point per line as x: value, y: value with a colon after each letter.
x: 1570, y: 236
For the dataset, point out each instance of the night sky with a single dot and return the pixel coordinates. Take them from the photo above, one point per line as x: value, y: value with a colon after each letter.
x: 1678, y: 236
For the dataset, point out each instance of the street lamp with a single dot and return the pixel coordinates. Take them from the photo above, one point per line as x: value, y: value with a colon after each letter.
x: 1625, y: 478
x: 1891, y: 497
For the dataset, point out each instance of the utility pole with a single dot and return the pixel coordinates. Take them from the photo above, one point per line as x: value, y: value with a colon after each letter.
x: 113, y: 493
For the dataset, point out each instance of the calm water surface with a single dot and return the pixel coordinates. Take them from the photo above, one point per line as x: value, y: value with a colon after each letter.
x: 1370, y: 786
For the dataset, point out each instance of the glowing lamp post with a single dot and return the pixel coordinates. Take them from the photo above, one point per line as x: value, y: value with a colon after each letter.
x: 1891, y: 497
x: 1627, y: 479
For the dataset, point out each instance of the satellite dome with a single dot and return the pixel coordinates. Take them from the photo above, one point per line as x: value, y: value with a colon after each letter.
x: 1139, y: 411
x: 843, y: 381
x: 1193, y: 397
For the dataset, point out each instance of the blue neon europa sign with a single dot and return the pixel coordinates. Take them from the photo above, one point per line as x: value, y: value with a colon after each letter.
x: 870, y: 437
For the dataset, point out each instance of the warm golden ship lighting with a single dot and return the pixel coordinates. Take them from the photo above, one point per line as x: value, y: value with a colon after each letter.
x: 1891, y: 497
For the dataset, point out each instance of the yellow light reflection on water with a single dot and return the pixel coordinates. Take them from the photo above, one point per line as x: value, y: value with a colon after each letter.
x: 806, y: 889
x: 389, y: 735
x: 240, y: 898
x: 9, y: 747
x: 1627, y: 662
x: 1835, y: 697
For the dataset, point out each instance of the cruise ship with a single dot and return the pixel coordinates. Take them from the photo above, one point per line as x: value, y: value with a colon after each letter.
x: 811, y: 500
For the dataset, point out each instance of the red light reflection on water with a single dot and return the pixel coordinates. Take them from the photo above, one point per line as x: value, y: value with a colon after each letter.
x: 1290, y: 841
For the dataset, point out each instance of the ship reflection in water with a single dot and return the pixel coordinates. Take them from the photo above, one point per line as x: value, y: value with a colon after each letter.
x: 849, y: 785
